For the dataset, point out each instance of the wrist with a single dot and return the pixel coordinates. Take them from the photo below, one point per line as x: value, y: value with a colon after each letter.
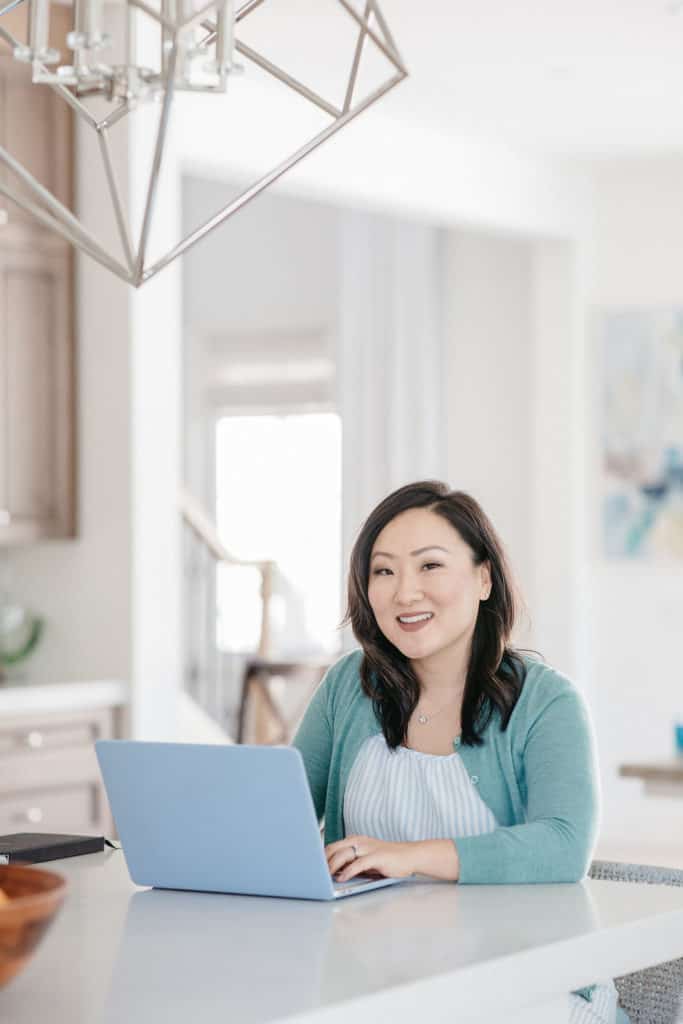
x: 437, y: 858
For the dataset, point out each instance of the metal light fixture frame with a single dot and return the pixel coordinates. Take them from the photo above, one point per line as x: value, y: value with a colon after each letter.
x: 54, y: 215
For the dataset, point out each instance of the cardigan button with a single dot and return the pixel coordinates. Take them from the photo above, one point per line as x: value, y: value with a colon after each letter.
x: 474, y: 779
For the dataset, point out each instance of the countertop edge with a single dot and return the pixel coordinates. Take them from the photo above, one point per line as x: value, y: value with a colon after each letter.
x: 29, y: 698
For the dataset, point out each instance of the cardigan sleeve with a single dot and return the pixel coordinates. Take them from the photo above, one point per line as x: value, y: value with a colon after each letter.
x: 555, y: 842
x: 314, y: 739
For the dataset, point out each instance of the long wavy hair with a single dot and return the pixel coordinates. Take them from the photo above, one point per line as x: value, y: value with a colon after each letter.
x: 496, y: 672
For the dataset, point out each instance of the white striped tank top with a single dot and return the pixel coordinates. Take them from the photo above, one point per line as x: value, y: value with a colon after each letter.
x: 402, y: 795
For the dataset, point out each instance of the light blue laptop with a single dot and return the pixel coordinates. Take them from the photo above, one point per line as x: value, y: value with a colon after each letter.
x: 237, y: 819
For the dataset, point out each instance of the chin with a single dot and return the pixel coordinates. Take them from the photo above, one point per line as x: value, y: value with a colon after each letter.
x: 424, y: 652
x: 415, y: 647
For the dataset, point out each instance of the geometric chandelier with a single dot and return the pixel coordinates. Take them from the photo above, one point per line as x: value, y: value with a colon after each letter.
x: 197, y: 44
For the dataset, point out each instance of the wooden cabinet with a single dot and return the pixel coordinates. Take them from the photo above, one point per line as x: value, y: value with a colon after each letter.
x: 49, y: 779
x: 36, y: 129
x: 37, y: 401
x: 36, y: 381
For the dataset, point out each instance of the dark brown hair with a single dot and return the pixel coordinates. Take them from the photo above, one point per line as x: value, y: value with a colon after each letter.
x: 496, y: 672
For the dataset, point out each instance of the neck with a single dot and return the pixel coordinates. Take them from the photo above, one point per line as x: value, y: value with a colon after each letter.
x: 443, y: 675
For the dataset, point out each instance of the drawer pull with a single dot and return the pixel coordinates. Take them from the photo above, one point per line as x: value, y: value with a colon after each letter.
x: 33, y: 815
x: 34, y: 739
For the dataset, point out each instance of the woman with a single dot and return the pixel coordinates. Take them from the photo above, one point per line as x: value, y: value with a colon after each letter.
x: 437, y: 749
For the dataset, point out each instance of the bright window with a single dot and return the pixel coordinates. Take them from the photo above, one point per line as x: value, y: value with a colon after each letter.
x: 279, y: 498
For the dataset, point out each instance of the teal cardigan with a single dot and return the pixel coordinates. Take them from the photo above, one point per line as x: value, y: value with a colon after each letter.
x: 539, y: 777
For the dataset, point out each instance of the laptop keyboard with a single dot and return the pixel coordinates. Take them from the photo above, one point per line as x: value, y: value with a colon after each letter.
x: 352, y: 883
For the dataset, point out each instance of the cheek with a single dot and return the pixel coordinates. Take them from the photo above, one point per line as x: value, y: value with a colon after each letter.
x: 459, y: 595
x: 380, y: 600
x: 375, y: 598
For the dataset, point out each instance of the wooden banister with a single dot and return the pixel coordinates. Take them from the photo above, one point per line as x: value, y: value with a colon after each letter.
x: 205, y: 530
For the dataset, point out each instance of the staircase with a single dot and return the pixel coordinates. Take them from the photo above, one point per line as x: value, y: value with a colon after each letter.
x: 213, y: 680
x: 271, y: 694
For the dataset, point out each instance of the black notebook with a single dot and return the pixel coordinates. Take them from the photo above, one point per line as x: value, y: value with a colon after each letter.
x: 36, y: 847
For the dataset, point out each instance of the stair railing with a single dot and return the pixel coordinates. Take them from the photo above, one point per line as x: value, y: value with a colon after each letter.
x: 206, y: 680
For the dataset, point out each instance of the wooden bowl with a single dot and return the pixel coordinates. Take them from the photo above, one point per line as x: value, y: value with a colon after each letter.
x: 34, y: 897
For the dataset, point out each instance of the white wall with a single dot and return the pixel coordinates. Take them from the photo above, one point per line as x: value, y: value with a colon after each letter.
x: 273, y: 264
x: 514, y: 420
x: 557, y: 454
x: 155, y: 466
x: 385, y: 163
x: 491, y: 385
x: 637, y: 609
x: 82, y: 587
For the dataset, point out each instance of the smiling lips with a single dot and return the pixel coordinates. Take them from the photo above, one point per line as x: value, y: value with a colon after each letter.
x: 411, y: 623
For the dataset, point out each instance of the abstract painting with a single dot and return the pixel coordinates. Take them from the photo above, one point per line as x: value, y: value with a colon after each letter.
x: 643, y: 433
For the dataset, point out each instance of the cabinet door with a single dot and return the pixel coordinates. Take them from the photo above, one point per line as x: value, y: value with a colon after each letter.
x: 36, y: 124
x: 36, y: 303
x: 36, y: 377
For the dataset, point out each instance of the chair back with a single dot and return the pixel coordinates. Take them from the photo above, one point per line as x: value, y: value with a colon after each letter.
x: 653, y: 995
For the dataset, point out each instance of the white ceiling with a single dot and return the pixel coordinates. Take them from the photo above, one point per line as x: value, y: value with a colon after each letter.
x: 586, y: 78
x: 577, y: 78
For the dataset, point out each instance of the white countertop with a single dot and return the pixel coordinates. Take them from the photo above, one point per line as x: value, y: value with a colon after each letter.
x: 419, y: 951
x: 30, y: 698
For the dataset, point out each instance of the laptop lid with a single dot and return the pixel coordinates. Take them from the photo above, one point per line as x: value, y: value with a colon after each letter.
x: 215, y: 818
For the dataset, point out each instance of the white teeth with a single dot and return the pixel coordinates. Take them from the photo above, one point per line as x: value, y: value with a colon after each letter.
x: 415, y: 618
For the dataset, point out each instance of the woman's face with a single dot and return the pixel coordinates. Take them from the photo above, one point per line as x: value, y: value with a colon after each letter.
x: 424, y: 587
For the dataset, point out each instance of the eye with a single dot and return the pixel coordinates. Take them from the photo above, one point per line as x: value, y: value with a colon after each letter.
x: 432, y: 565
x: 381, y: 572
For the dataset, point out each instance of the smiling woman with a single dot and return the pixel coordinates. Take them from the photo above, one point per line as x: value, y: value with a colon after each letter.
x: 438, y: 749
x: 431, y: 601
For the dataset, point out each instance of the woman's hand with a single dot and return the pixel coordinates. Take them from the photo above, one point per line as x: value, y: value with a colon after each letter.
x: 363, y: 855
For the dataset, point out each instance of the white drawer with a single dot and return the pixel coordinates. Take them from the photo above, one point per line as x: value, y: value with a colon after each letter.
x: 49, y: 778
x: 68, y: 809
x: 33, y: 734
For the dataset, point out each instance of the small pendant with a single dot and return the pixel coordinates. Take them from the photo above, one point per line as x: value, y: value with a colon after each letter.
x: 422, y: 719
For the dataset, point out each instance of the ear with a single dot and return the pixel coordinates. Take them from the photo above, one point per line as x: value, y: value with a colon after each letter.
x: 486, y: 583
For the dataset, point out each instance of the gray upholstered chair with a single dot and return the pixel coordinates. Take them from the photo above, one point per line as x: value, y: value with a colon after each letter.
x: 654, y: 995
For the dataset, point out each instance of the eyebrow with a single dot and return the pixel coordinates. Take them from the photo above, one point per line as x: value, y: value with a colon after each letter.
x: 420, y: 551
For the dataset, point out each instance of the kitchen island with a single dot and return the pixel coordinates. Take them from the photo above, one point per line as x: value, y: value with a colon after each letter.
x: 420, y: 951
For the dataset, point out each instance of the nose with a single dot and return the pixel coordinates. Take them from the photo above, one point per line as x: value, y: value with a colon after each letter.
x: 408, y: 589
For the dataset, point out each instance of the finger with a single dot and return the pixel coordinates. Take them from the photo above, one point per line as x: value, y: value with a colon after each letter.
x: 340, y: 848
x: 347, y: 853
x: 335, y: 848
x: 346, y: 844
x: 340, y: 859
x: 341, y: 843
x: 359, y: 866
